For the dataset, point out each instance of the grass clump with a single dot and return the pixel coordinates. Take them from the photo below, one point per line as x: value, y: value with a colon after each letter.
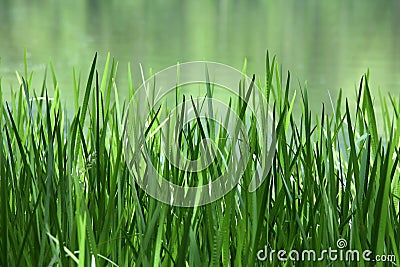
x: 67, y: 196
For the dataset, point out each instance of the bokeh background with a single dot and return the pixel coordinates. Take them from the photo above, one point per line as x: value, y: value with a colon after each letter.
x: 329, y: 44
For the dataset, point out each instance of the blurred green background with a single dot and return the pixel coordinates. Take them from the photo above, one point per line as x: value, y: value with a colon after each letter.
x: 328, y: 43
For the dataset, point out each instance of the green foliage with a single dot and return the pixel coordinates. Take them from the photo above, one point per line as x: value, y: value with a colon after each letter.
x: 67, y: 196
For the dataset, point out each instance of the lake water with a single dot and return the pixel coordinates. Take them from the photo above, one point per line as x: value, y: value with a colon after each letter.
x: 328, y: 43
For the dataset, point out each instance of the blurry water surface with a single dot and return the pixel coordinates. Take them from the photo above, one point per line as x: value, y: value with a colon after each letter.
x: 328, y: 43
